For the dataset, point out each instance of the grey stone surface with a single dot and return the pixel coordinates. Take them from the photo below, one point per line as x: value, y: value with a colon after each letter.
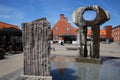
x: 13, y: 75
x: 11, y: 63
x: 101, y: 17
x: 109, y: 70
x: 36, y: 47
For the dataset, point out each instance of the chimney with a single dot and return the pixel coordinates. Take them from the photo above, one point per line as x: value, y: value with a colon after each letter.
x: 61, y: 16
x: 108, y: 30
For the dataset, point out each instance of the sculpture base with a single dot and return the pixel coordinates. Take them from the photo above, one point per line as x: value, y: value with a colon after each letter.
x: 88, y: 60
x: 32, y: 77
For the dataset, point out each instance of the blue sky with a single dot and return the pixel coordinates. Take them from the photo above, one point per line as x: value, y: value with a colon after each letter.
x: 19, y: 11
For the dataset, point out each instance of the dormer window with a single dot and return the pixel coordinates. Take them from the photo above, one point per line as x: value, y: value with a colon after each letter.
x: 56, y: 28
x: 67, y: 28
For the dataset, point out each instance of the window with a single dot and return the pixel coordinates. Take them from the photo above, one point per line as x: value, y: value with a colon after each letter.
x: 67, y: 28
x: 56, y: 37
x: 56, y: 28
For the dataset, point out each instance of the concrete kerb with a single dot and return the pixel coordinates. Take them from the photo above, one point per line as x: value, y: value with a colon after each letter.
x: 32, y: 77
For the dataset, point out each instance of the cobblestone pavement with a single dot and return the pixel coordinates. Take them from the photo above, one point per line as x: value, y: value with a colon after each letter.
x: 13, y: 75
x: 112, y: 49
x: 12, y: 66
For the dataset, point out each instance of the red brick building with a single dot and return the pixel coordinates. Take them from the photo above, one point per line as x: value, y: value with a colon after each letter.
x: 105, y: 33
x: 116, y: 33
x: 102, y: 33
x: 108, y: 30
x: 64, y: 31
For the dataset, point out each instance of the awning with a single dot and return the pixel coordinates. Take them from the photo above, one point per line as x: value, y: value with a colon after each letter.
x: 10, y: 31
x: 68, y: 35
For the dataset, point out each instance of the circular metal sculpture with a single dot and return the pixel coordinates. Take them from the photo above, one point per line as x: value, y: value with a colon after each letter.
x: 101, y: 17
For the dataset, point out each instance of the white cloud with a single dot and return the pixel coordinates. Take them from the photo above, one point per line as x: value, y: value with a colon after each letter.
x: 4, y: 16
x: 9, y: 12
x: 5, y: 8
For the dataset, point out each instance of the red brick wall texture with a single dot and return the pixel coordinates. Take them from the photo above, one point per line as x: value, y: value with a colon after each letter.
x: 63, y: 27
x: 116, y: 33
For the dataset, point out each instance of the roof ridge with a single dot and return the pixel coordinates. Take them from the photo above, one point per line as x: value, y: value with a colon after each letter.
x: 7, y: 23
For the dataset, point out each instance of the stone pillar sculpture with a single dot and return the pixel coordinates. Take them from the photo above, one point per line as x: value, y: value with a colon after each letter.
x: 83, y: 42
x: 36, y: 48
x: 102, y: 16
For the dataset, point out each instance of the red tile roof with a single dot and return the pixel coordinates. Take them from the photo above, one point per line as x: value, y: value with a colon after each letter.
x: 102, y: 32
x: 6, y: 25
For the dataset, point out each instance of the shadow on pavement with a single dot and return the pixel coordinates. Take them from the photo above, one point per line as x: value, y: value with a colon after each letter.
x: 105, y: 58
x: 63, y: 74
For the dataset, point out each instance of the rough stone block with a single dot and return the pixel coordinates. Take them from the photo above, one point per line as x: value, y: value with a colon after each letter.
x: 88, y: 60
